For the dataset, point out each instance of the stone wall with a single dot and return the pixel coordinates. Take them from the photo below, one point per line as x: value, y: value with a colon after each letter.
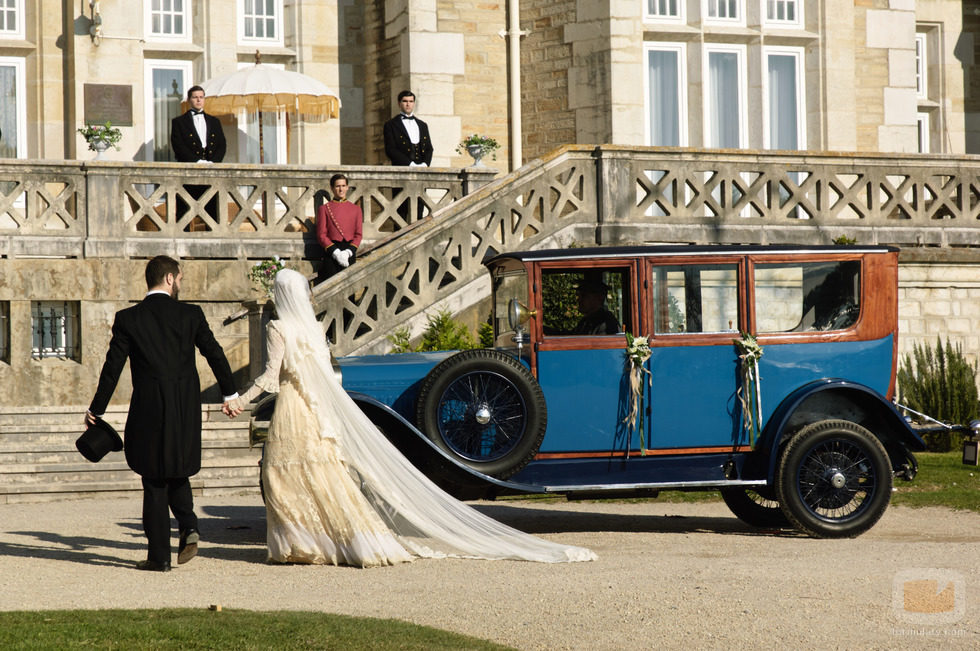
x: 548, y: 120
x: 939, y: 300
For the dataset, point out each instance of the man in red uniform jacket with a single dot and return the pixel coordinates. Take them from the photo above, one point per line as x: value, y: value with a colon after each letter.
x: 338, y: 229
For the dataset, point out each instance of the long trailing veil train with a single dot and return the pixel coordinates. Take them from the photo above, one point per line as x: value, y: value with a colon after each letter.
x: 426, y: 520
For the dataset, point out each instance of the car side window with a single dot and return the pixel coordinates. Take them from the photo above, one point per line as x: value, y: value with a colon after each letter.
x: 585, y: 302
x: 807, y: 296
x: 696, y: 298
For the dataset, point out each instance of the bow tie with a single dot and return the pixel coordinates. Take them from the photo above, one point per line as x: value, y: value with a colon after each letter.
x: 408, y: 117
x: 197, y: 112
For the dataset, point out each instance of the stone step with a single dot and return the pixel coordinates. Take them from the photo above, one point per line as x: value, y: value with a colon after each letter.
x: 22, y: 464
x: 67, y: 446
x: 39, y: 461
x: 134, y: 490
x: 28, y: 439
x: 112, y: 472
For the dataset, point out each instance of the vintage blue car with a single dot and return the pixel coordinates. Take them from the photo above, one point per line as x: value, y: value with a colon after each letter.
x: 763, y: 372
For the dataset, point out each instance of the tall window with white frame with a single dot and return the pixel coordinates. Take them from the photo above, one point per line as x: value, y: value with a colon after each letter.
x: 785, y: 106
x: 168, y: 19
x: 666, y: 89
x: 926, y: 104
x: 261, y: 21
x: 166, y: 83
x: 724, y: 100
x: 55, y: 330
x: 13, y: 108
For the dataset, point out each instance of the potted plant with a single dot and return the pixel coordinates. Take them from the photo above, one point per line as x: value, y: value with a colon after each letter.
x: 101, y: 137
x: 478, y: 146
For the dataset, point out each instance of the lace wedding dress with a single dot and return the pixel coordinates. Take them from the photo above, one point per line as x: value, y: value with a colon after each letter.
x: 336, y: 490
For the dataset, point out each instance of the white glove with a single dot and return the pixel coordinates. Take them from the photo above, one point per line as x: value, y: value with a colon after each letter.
x: 338, y: 256
x: 204, y: 161
x: 348, y: 254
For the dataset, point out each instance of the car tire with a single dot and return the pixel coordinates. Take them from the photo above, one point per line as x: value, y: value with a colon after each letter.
x: 484, y: 409
x: 834, y: 479
x: 755, y: 506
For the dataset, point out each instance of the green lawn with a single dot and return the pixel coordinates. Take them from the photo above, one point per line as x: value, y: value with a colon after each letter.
x: 943, y: 480
x: 182, y: 629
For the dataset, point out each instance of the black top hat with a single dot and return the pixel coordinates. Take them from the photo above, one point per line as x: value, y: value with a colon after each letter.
x: 98, y: 440
x: 592, y: 282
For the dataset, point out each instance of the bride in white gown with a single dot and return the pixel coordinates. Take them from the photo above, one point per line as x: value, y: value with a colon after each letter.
x: 337, y: 491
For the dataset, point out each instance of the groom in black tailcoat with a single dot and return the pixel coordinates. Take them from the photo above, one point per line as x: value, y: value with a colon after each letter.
x: 163, y: 429
x: 197, y: 137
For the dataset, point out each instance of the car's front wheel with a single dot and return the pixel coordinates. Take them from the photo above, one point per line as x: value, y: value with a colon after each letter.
x: 485, y: 409
x: 834, y: 479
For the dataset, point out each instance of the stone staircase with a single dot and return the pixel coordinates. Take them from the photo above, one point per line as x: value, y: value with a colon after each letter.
x: 39, y: 461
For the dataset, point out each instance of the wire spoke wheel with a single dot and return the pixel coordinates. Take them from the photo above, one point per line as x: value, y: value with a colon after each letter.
x: 834, y: 479
x: 485, y: 409
x: 482, y: 416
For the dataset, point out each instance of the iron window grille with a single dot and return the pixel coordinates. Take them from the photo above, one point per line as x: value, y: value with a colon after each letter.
x: 55, y: 328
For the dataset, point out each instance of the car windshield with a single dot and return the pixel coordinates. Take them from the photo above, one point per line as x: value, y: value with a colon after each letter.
x: 508, y: 286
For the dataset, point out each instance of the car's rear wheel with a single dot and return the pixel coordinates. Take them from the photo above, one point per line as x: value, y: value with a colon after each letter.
x: 755, y: 506
x: 834, y: 479
x: 485, y: 409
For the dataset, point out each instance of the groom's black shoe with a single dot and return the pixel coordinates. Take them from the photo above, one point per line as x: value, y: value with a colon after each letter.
x: 153, y: 566
x: 188, y: 545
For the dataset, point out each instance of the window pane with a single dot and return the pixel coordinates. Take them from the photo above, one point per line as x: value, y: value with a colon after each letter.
x: 581, y: 302
x: 695, y: 299
x: 812, y: 296
x: 8, y: 112
x: 723, y: 100
x: 666, y: 8
x: 664, y: 98
x: 167, y: 94
x: 783, y: 106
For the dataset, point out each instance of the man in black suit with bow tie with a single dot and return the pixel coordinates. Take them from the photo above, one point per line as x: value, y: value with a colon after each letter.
x: 163, y: 428
x: 407, y: 141
x: 197, y: 137
x: 407, y: 144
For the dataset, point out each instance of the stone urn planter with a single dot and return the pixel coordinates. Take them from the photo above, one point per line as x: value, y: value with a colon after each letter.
x: 477, y: 147
x: 476, y: 151
x: 99, y: 145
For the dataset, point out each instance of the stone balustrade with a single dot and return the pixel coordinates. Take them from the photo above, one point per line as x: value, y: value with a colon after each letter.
x: 101, y: 209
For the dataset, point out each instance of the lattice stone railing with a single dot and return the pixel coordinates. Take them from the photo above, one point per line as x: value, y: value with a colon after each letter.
x: 621, y: 195
x: 728, y: 196
x: 114, y: 209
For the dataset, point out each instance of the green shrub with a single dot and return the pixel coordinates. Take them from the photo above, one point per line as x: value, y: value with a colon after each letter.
x: 941, y: 384
x: 485, y: 334
x: 442, y: 332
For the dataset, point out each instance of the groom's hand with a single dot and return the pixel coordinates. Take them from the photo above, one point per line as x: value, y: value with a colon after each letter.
x: 230, y: 411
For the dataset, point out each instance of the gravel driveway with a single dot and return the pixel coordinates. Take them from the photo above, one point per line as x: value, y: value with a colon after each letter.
x: 668, y: 576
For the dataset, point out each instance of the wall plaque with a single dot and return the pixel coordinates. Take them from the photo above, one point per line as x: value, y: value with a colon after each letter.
x: 109, y: 103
